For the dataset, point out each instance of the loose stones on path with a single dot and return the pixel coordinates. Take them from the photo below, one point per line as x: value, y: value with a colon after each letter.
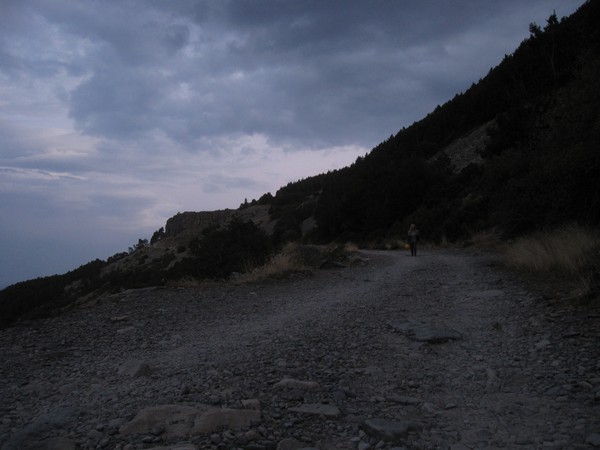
x: 433, y: 334
x: 181, y: 420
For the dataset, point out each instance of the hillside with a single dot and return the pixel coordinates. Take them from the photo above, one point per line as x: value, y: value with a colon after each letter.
x: 515, y: 153
x: 531, y: 127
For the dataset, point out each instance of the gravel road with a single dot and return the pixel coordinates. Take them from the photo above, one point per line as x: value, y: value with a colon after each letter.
x: 442, y: 351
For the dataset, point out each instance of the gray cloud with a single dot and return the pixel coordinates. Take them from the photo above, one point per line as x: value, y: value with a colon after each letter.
x: 295, y: 71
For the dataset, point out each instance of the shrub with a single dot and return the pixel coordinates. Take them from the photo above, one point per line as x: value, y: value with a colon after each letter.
x: 284, y: 263
x: 296, y: 258
x: 222, y: 251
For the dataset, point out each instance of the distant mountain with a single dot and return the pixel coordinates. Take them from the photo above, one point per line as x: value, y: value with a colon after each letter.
x: 517, y: 152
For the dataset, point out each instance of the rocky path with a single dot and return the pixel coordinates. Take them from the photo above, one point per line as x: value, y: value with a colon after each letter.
x: 442, y: 351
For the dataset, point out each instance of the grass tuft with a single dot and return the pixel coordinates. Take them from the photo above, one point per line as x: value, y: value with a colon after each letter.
x: 570, y: 251
x: 564, y: 250
x: 296, y: 258
x: 284, y: 263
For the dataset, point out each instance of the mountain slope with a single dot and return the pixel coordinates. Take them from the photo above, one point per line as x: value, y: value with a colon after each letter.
x: 541, y: 154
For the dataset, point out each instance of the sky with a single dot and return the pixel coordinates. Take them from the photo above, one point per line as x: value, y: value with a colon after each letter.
x: 117, y: 114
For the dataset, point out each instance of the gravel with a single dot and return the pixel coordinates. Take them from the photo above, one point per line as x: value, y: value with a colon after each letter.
x: 441, y: 351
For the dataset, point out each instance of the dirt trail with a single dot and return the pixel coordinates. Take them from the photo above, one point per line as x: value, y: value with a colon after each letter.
x: 444, y: 350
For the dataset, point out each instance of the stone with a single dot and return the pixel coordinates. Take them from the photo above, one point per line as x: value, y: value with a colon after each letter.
x: 290, y: 383
x: 58, y: 443
x: 134, y: 368
x: 289, y: 444
x: 389, y: 430
x: 177, y: 420
x: 58, y: 418
x: 433, y: 334
x: 593, y: 440
x: 317, y: 409
x: 181, y: 420
x: 252, y: 403
x: 182, y: 446
x: 542, y: 344
x: 232, y: 419
x: 403, y: 399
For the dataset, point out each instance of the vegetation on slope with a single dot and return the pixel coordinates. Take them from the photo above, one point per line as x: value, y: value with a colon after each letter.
x: 540, y: 160
x: 236, y: 246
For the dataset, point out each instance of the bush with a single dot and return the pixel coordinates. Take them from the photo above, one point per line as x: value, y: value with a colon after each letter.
x: 221, y: 251
x: 295, y: 258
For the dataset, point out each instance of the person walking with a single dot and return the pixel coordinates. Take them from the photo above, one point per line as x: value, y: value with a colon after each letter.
x: 413, y: 237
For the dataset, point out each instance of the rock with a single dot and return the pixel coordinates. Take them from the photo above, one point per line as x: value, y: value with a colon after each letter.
x: 389, y: 430
x: 317, y: 409
x: 177, y: 420
x: 183, y: 446
x: 232, y: 419
x: 58, y: 418
x: 593, y: 440
x: 252, y: 403
x: 134, y: 368
x: 290, y: 383
x: 181, y: 420
x: 58, y: 443
x: 404, y: 400
x: 433, y: 334
x: 289, y: 444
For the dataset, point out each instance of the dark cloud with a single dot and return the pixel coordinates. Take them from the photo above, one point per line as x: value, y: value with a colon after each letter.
x: 295, y: 71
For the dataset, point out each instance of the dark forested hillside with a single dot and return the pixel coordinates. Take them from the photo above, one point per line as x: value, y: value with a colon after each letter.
x: 541, y: 161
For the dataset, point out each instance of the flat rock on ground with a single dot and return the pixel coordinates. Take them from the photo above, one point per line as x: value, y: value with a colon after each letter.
x: 441, y: 351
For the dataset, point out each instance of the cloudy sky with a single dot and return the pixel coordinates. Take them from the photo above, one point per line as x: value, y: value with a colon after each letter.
x: 117, y: 114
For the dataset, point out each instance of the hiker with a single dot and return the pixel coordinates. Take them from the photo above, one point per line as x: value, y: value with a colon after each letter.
x: 413, y: 237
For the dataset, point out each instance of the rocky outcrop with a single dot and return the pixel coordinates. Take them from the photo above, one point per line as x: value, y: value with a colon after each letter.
x: 467, y: 150
x: 195, y: 222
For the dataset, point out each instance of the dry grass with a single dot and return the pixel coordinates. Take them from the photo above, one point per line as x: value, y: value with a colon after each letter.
x: 564, y: 250
x: 351, y: 247
x: 296, y: 258
x: 282, y: 264
x: 571, y: 252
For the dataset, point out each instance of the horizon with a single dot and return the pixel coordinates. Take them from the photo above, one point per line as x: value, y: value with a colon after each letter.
x: 117, y: 117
